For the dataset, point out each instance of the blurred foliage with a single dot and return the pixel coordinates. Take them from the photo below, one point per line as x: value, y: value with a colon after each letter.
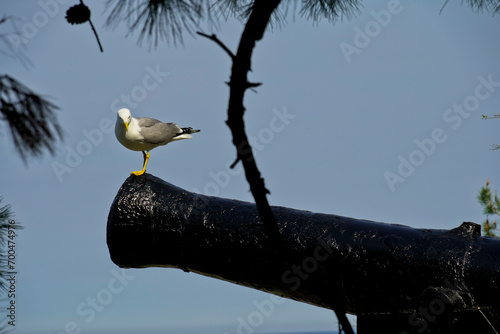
x: 167, y: 20
x: 31, y: 118
x: 491, y: 206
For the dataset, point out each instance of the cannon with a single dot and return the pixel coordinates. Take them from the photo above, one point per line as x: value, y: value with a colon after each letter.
x: 394, y: 278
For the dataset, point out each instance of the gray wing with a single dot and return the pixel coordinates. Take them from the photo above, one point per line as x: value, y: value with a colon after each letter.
x: 157, y: 132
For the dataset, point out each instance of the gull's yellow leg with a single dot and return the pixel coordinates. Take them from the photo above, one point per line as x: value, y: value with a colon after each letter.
x: 146, y: 159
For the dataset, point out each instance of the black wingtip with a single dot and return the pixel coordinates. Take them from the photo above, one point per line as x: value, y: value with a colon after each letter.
x: 189, y: 130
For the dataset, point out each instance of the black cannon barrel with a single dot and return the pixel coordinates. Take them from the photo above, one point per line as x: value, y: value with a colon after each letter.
x: 367, y: 268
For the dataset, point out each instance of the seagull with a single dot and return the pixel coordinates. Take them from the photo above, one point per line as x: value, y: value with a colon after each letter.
x: 144, y: 134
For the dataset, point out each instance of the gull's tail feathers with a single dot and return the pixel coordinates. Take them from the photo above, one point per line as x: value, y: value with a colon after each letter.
x: 189, y: 130
x: 185, y: 134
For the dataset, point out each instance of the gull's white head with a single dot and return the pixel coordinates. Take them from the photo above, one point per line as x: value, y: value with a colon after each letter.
x: 126, y: 117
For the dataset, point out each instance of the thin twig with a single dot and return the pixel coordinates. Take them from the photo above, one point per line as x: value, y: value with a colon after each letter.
x: 214, y: 38
x: 93, y: 29
x: 96, y: 36
x: 254, y: 84
x: 235, y: 162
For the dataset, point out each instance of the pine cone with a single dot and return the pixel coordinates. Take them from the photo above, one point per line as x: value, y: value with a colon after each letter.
x: 78, y: 14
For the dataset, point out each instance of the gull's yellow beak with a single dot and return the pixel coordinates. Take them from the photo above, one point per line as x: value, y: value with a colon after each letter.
x: 126, y: 125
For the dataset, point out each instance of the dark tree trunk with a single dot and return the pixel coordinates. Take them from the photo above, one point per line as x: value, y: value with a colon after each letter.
x: 412, y: 278
x: 253, y: 32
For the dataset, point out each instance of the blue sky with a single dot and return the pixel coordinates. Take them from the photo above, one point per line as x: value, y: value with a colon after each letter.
x: 389, y: 130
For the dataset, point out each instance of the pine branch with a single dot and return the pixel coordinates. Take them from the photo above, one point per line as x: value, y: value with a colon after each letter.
x: 329, y: 9
x: 160, y: 19
x: 31, y: 118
